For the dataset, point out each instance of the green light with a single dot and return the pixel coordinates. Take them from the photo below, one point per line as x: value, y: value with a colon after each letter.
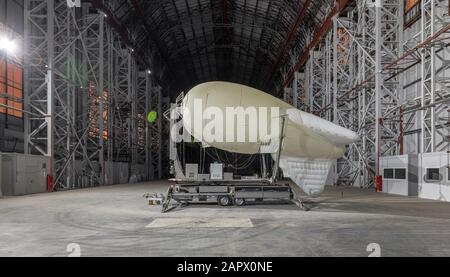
x: 152, y: 116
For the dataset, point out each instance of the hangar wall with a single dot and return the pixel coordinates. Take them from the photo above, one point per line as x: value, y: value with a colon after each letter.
x: 381, y: 70
x: 84, y: 99
x: 11, y: 125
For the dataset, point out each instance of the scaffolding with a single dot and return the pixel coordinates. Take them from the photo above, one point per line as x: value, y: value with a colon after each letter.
x: 86, y: 97
x: 377, y: 67
x: 366, y: 58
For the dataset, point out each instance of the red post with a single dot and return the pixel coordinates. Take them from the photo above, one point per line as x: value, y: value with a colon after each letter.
x: 49, y: 183
x: 379, y: 183
x: 401, y: 136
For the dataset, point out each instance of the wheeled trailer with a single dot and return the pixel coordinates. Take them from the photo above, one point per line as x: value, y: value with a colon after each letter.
x: 237, y: 192
x: 190, y: 187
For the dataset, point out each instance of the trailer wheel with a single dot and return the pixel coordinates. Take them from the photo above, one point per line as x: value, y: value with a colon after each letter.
x: 224, y: 200
x: 239, y: 201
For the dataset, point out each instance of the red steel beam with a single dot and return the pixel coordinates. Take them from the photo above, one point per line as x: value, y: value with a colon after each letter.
x: 137, y: 10
x: 393, y: 64
x: 114, y: 23
x: 292, y: 34
x: 225, y: 11
x: 339, y: 6
x: 226, y: 32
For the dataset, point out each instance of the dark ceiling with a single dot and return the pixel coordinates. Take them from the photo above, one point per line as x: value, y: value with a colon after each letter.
x: 188, y: 42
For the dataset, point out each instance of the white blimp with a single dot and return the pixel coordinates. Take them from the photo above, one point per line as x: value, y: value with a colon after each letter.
x: 241, y: 119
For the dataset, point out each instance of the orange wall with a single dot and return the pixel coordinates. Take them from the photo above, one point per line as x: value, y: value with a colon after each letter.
x: 410, y: 3
x: 11, y: 88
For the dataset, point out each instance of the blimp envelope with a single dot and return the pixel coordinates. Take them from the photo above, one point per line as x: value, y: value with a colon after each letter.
x: 241, y: 119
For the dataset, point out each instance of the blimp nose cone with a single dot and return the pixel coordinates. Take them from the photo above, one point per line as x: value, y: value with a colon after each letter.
x: 355, y: 137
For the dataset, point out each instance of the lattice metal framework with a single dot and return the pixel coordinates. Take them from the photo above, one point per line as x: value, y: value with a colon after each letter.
x: 346, y: 61
x: 86, y: 95
x: 365, y: 57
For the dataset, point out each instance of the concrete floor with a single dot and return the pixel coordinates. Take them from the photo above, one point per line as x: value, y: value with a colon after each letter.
x: 116, y: 221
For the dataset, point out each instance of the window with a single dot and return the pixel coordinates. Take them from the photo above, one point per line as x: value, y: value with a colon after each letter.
x: 410, y: 4
x: 432, y: 175
x: 141, y: 131
x: 412, y: 12
x: 11, y: 89
x: 2, y: 86
x: 343, y: 45
x: 400, y: 174
x: 93, y: 114
x: 388, y: 173
x: 448, y: 172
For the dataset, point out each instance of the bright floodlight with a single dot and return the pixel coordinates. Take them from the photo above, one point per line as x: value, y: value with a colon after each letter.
x: 8, y: 45
x: 149, y: 72
x: 3, y: 43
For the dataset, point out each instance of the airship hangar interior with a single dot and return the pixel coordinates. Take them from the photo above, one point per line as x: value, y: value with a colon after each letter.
x: 91, y: 93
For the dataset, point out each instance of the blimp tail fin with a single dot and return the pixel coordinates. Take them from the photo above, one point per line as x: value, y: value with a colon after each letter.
x: 311, y: 175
